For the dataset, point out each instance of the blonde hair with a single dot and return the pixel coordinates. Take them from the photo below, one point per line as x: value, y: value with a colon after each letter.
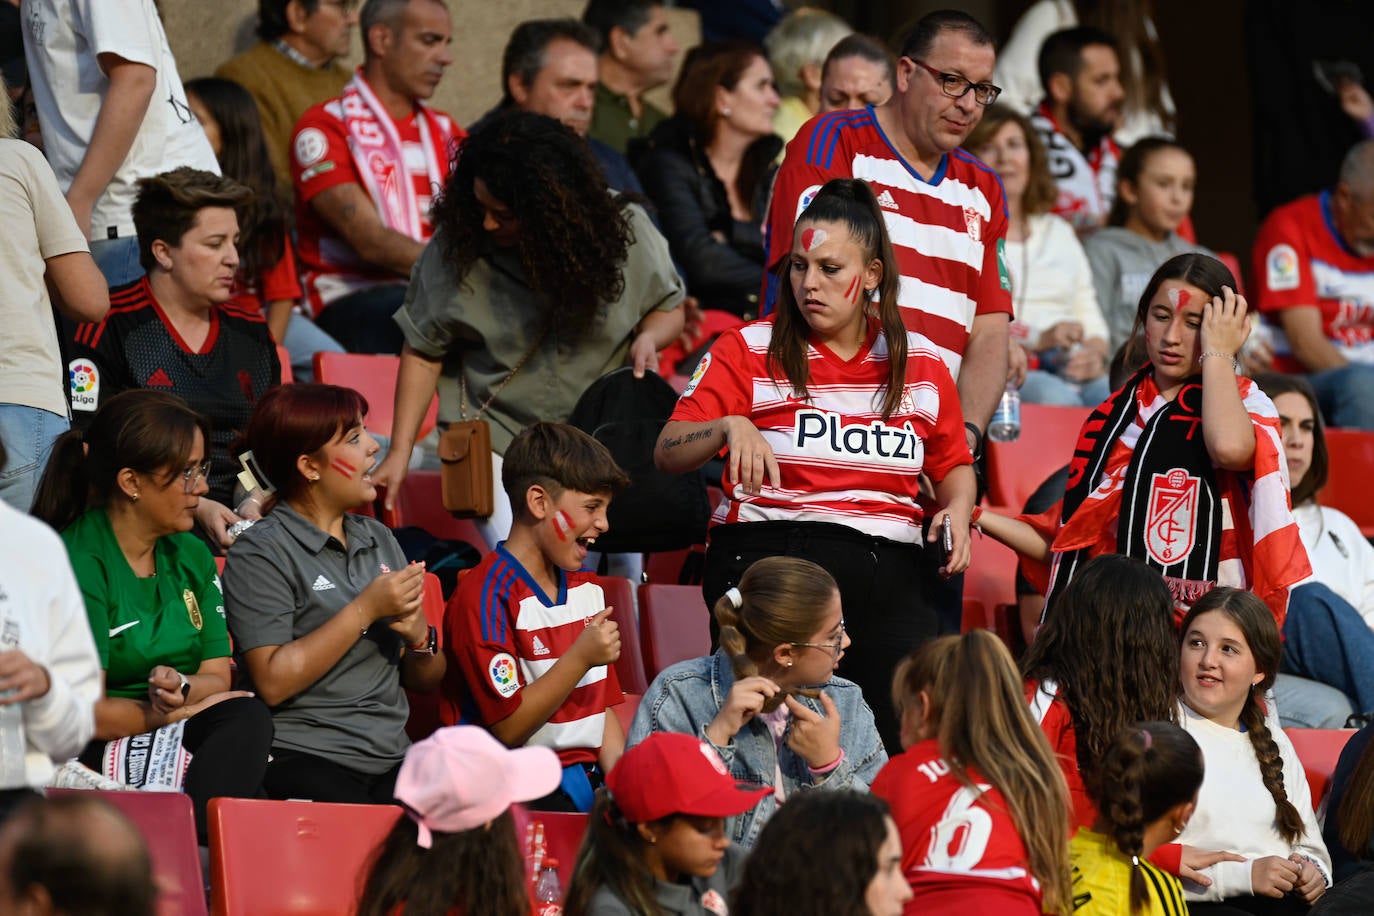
x: 781, y: 600
x: 8, y: 127
x: 978, y: 706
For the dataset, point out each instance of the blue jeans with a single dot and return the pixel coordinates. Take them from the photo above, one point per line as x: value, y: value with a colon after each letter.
x: 28, y: 434
x: 1327, y: 640
x: 303, y: 339
x: 1308, y: 704
x: 1043, y: 387
x: 1346, y: 395
x: 117, y: 260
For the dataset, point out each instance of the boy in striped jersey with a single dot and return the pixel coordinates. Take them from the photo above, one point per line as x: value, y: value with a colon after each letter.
x: 530, y: 641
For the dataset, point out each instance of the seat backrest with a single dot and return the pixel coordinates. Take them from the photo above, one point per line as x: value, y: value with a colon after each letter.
x: 424, y: 707
x: 169, y: 828
x: 420, y: 503
x: 674, y: 625
x: 282, y: 858
x: 1015, y: 469
x: 284, y: 357
x: 1352, y: 463
x: 630, y: 666
x: 991, y: 578
x: 1319, y: 749
x: 625, y: 712
x: 374, y: 377
x: 563, y: 832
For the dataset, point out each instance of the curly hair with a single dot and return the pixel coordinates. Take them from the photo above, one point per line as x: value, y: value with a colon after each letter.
x: 1261, y: 633
x: 818, y: 854
x: 1109, y: 645
x: 574, y: 233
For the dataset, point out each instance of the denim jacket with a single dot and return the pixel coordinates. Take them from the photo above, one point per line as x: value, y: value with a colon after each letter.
x: 686, y: 697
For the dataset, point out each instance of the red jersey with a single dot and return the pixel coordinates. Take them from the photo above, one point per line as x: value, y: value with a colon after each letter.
x: 961, y: 851
x: 1300, y: 259
x: 278, y: 282
x: 948, y: 233
x: 1050, y: 710
x: 321, y: 159
x: 501, y: 632
x: 841, y: 462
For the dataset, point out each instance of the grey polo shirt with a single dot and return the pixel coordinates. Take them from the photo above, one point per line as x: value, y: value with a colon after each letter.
x: 285, y: 578
x: 485, y: 325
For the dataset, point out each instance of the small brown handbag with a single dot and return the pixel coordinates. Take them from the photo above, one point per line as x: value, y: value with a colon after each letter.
x: 465, y: 453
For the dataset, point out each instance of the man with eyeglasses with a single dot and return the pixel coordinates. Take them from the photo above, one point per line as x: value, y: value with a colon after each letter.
x: 1081, y: 76
x: 944, y: 210
x: 294, y: 66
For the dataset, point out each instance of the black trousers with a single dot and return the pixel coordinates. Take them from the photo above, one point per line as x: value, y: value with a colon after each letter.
x: 293, y: 774
x: 887, y: 606
x: 1288, y: 905
x: 229, y: 744
x: 361, y: 322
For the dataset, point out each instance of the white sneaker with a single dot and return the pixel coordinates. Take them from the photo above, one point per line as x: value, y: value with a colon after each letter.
x: 72, y: 775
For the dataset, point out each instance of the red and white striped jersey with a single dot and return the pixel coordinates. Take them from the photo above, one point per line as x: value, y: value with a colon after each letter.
x: 840, y: 461
x: 504, y: 632
x: 961, y: 852
x: 948, y: 233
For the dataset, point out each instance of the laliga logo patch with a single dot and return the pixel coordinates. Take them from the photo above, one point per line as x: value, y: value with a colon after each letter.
x: 84, y: 384
x: 1281, y: 267
x: 1170, y: 525
x: 310, y: 147
x: 502, y: 673
x: 714, y: 758
x: 702, y: 365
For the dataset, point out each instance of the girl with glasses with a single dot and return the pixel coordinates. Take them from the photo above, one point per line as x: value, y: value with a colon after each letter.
x: 768, y: 700
x: 124, y: 497
x: 977, y: 796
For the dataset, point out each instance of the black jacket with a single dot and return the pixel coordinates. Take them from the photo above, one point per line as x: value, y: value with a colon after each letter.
x: 721, y: 258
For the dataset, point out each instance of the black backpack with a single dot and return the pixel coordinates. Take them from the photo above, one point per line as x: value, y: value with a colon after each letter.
x: 658, y: 511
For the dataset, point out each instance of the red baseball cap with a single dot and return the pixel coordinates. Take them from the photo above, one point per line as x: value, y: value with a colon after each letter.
x: 670, y: 773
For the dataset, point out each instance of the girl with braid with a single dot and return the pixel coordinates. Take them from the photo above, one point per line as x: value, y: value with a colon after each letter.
x: 768, y: 700
x: 1147, y: 789
x: 977, y: 796
x: 1254, y: 799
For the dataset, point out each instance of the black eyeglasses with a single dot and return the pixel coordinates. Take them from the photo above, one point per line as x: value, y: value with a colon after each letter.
x: 955, y: 86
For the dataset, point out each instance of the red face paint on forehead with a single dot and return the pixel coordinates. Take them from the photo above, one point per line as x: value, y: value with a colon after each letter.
x: 813, y: 238
x: 343, y: 467
x: 562, y: 525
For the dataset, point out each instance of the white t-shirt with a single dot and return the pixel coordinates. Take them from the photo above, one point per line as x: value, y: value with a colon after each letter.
x: 62, y: 39
x: 1341, y: 558
x: 1051, y: 282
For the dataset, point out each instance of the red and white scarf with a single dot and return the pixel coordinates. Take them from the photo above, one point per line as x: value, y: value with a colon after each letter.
x: 1260, y: 545
x: 379, y: 155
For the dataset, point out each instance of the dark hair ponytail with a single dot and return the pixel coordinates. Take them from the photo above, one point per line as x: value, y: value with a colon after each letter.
x: 1147, y: 770
x: 1261, y: 634
x: 612, y: 855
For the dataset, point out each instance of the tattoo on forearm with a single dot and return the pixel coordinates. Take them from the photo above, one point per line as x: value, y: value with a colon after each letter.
x: 708, y: 433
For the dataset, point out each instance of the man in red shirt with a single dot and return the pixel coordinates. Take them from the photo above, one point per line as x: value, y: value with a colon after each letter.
x: 365, y: 167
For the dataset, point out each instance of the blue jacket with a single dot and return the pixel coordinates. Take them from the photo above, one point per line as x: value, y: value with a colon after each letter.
x: 686, y: 697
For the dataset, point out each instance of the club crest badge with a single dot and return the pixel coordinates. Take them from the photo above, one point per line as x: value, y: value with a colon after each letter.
x: 974, y: 223
x: 1170, y: 525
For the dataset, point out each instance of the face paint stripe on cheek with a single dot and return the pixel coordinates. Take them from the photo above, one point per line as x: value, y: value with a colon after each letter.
x: 562, y: 525
x: 852, y: 292
x: 343, y: 467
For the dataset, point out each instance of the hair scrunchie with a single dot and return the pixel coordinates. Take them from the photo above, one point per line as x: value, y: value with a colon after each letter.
x: 736, y: 599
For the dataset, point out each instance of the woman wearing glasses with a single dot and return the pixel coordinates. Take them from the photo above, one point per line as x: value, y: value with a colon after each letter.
x: 124, y: 497
x: 768, y: 700
x: 177, y: 331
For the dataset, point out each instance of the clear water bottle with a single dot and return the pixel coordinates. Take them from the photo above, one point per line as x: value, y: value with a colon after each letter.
x: 1006, y: 420
x: 548, y: 893
x: 12, y: 773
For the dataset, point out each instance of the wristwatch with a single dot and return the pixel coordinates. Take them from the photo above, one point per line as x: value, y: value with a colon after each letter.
x: 185, y: 685
x: 429, y: 647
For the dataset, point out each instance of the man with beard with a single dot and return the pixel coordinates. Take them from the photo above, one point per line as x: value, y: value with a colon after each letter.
x: 1081, y: 74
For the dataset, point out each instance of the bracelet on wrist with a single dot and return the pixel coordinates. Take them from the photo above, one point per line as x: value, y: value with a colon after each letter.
x: 977, y: 439
x: 976, y: 514
x: 1235, y: 364
x: 829, y: 767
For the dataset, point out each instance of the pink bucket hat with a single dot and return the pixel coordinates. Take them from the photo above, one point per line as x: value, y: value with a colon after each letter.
x: 461, y: 777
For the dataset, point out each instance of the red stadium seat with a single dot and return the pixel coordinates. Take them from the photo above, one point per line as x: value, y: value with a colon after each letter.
x: 1233, y: 264
x: 563, y: 832
x: 989, y: 586
x: 283, y: 858
x: 1352, y: 464
x: 1319, y: 749
x: 625, y: 712
x: 630, y: 667
x: 373, y: 376
x: 284, y: 358
x: 169, y: 828
x: 424, y: 707
x: 674, y: 625
x: 420, y: 503
x: 1016, y: 469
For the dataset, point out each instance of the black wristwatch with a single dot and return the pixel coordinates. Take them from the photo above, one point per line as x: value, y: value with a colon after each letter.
x: 429, y: 647
x: 977, y: 439
x: 185, y: 686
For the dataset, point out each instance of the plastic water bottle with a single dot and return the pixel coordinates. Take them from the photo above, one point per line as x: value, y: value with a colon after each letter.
x: 1006, y: 420
x: 12, y: 774
x: 548, y: 893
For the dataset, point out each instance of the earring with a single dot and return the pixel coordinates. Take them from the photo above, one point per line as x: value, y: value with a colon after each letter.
x: 725, y: 112
x: 314, y: 478
x: 789, y: 663
x: 134, y: 497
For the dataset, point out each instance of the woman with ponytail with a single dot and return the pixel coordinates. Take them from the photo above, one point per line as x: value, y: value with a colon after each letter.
x: 977, y: 795
x: 768, y: 700
x: 832, y: 413
x: 1146, y: 788
x: 1254, y: 799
